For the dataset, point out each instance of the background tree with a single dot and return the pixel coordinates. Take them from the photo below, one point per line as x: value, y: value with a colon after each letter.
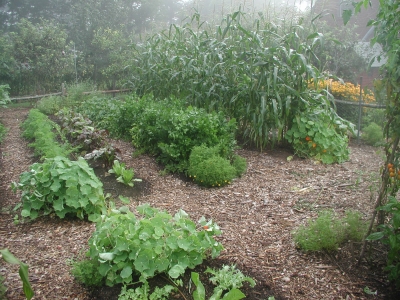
x: 42, y: 62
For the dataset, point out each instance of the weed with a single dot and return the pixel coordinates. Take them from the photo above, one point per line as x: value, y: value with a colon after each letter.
x: 86, y: 272
x: 373, y: 135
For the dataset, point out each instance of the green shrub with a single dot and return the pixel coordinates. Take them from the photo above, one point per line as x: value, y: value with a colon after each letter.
x: 240, y: 165
x: 50, y: 105
x: 86, y: 272
x: 373, y: 134
x: 126, y: 245
x: 328, y: 232
x: 210, y: 171
x: 321, y: 136
x: 60, y: 186
x: 4, y: 98
x: 39, y: 128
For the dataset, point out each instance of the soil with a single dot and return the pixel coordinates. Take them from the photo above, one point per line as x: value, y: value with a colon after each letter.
x: 257, y: 213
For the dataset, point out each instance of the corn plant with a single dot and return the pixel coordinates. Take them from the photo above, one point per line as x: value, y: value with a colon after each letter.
x: 256, y: 70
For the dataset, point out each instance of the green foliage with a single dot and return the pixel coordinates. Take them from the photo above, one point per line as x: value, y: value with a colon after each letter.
x: 320, y: 135
x: 4, y: 98
x: 85, y: 272
x: 373, y: 134
x: 170, y: 132
x: 50, y: 105
x: 156, y: 243
x: 123, y: 175
x: 328, y: 232
x: 227, y: 280
x: 240, y: 165
x: 42, y: 59
x: 61, y: 186
x: 39, y: 128
x: 3, y: 132
x: 143, y: 293
x: 3, y: 288
x: 390, y: 235
x: 208, y: 168
x: 23, y: 272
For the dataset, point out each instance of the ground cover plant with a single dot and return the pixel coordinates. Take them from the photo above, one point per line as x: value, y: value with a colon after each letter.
x: 60, y: 186
x: 328, y: 232
x: 45, y: 134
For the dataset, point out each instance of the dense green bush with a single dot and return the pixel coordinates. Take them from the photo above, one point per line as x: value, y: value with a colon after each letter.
x: 39, y: 128
x: 209, y: 168
x: 4, y: 98
x: 50, y: 105
x: 60, y: 186
x: 156, y: 242
x: 373, y: 134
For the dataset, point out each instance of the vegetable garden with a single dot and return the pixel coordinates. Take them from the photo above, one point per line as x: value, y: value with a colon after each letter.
x: 282, y: 214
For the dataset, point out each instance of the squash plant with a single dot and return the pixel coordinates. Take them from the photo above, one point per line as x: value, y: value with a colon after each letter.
x: 60, y: 186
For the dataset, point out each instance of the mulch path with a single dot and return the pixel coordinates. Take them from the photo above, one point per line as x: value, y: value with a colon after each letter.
x: 257, y: 213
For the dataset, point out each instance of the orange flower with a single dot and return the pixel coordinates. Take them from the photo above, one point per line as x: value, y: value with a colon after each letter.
x: 308, y: 138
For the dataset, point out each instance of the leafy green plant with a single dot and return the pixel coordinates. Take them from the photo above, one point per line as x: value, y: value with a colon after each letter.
x: 143, y: 293
x: 373, y: 134
x: 390, y: 235
x: 23, y: 272
x: 124, y: 176
x: 321, y: 136
x: 45, y: 135
x: 3, y: 288
x: 85, y: 272
x: 156, y: 243
x: 50, y: 105
x: 208, y: 168
x: 328, y: 232
x: 4, y: 98
x: 60, y: 186
x: 228, y: 280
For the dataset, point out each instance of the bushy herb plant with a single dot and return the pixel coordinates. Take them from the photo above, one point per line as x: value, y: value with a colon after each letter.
x: 390, y: 235
x: 60, y: 186
x: 154, y: 243
x: 373, y: 134
x: 50, y: 105
x: 328, y: 232
x: 320, y: 135
x: 45, y: 135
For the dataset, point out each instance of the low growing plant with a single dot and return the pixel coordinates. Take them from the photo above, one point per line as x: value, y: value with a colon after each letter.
x: 45, y: 135
x: 124, y: 176
x: 328, y: 232
x: 85, y: 272
x: 60, y: 186
x: 4, y: 98
x: 3, y: 132
x: 143, y: 292
x: 228, y: 281
x: 208, y: 168
x: 50, y: 105
x: 128, y: 246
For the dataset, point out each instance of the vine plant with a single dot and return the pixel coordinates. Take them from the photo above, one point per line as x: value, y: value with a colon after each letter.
x: 387, y: 28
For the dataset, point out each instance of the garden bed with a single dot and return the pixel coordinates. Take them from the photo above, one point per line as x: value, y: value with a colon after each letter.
x: 257, y: 213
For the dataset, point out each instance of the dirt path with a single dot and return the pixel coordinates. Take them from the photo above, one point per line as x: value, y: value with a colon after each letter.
x: 257, y: 214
